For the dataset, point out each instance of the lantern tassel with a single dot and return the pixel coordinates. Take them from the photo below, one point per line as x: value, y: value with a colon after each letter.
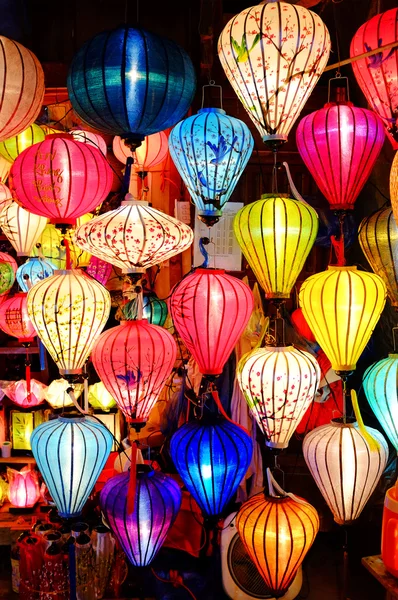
x: 373, y: 444
x: 27, y: 376
x: 220, y: 407
x: 338, y: 247
x: 65, y: 243
x: 132, y: 480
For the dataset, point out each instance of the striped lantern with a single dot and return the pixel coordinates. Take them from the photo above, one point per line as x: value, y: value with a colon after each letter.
x: 7, y: 276
x: 5, y: 167
x: 21, y: 228
x: 33, y: 271
x: 12, y: 147
x: 15, y: 320
x: 149, y: 155
x: 5, y: 196
x: 89, y: 137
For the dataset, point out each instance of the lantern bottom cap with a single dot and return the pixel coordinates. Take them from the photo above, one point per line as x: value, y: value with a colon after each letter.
x: 63, y: 222
x: 23, y: 253
x: 277, y: 295
x: 70, y: 371
x: 210, y: 213
x: 343, y: 369
x: 274, y: 137
x: 277, y: 445
x: 66, y: 515
x: 341, y: 206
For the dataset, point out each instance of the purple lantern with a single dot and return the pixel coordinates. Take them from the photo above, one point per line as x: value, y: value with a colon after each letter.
x: 157, y: 502
x: 99, y: 269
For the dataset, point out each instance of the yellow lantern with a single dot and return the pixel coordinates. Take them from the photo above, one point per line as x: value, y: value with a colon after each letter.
x: 79, y: 257
x: 12, y: 147
x: 342, y: 306
x: 394, y: 186
x: 49, y: 245
x: 276, y: 234
x: 100, y: 398
x: 21, y: 227
x: 57, y: 396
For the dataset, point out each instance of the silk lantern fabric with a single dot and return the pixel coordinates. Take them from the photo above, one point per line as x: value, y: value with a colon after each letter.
x: 276, y: 235
x: 15, y: 320
x: 7, y: 277
x: 10, y: 260
x: 50, y: 246
x: 273, y: 55
x: 340, y: 144
x: 23, y: 490
x: 99, y: 269
x: 90, y: 138
x: 33, y: 271
x: 5, y: 196
x: 149, y: 155
x: 100, y: 398
x: 377, y: 75
x: 71, y: 453
x: 301, y: 325
x: 130, y: 82
x: 12, y: 147
x: 21, y: 227
x: 210, y: 151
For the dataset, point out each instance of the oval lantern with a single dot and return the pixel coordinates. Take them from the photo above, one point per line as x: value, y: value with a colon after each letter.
x: 5, y: 196
x: 273, y: 55
x: 211, y: 457
x: 131, y: 83
x: 69, y: 311
x: 100, y: 398
x: 276, y: 235
x: 71, y: 452
x: 149, y: 155
x: 7, y: 258
x: 346, y: 465
x: 7, y: 276
x: 210, y: 311
x: 89, y: 137
x: 394, y: 185
x: 210, y: 151
x: 21, y: 227
x: 15, y: 320
x: 301, y: 325
x: 33, y: 271
x: 377, y: 75
x: 157, y: 502
x: 21, y: 87
x: 342, y: 306
x: 60, y: 179
x: 12, y: 147
x: 340, y: 144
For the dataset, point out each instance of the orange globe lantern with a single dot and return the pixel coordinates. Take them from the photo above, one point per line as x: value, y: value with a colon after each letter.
x: 151, y: 153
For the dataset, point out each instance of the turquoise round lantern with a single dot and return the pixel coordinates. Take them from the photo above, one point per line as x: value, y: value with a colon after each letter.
x: 210, y: 151
x: 32, y: 271
x: 154, y: 309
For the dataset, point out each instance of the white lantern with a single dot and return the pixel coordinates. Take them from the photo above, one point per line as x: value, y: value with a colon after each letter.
x: 21, y: 227
x: 57, y: 396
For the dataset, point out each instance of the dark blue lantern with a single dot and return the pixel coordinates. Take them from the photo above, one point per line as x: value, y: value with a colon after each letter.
x: 212, y: 457
x: 131, y: 83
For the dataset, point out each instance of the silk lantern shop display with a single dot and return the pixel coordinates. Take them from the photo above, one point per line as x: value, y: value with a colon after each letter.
x: 33, y: 271
x: 151, y: 153
x: 12, y: 147
x: 210, y: 151
x: 21, y: 227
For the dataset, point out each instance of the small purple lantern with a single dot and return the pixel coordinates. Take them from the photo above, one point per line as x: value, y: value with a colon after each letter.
x: 99, y: 269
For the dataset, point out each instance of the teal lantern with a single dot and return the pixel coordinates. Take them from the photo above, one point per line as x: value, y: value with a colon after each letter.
x: 34, y: 270
x: 154, y: 310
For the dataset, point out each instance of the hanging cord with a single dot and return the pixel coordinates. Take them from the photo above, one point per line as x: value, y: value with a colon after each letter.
x: 211, y: 84
x: 349, y: 61
x: 336, y: 28
x: 176, y: 580
x: 204, y: 241
x: 273, y: 487
x: 213, y: 390
x: 275, y: 173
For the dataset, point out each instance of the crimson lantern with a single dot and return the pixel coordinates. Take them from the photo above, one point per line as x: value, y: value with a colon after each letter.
x: 14, y: 319
x: 301, y: 326
x: 210, y: 310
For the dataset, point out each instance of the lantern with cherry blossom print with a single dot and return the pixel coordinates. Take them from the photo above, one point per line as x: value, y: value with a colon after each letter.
x: 21, y: 227
x: 12, y: 147
x: 149, y: 155
x: 23, y: 490
x: 14, y: 319
x: 5, y: 196
x: 91, y: 138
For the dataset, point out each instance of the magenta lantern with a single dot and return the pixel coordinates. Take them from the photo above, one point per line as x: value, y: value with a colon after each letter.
x: 14, y: 319
x: 60, y: 178
x: 133, y: 361
x: 340, y: 144
x: 99, y: 269
x: 23, y: 491
x: 210, y: 311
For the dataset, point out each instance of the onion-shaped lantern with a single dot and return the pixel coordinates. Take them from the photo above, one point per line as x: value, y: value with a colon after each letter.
x: 342, y: 306
x: 13, y: 147
x: 149, y: 155
x: 211, y: 457
x: 19, y: 393
x: 5, y: 196
x: 71, y: 452
x: 279, y: 383
x: 210, y: 311
x: 33, y: 271
x: 99, y: 269
x: 90, y: 138
x: 340, y: 144
x: 301, y: 325
x: 273, y: 55
x: 157, y: 502
x: 21, y: 227
x: 100, y: 398
x: 276, y: 235
x: 134, y: 237
x: 60, y: 179
x: 394, y: 185
x: 130, y: 82
x: 210, y: 151
x: 377, y: 75
x: 7, y: 276
x: 134, y: 360
x: 21, y: 87
x: 15, y: 320
x: 69, y: 311
x: 10, y: 260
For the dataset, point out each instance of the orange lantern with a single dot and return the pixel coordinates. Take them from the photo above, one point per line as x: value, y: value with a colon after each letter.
x: 151, y: 153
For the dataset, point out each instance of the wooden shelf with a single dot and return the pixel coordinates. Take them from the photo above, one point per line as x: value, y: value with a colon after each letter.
x: 18, y: 460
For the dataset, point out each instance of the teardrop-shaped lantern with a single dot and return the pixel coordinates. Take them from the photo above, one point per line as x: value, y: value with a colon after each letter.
x: 340, y: 144
x: 15, y: 320
x: 377, y: 75
x: 276, y: 235
x: 279, y: 384
x: 33, y: 271
x: 342, y: 306
x: 90, y: 138
x: 69, y: 311
x: 134, y: 237
x: 210, y: 151
x: 210, y: 311
x: 211, y: 457
x: 273, y: 55
x: 12, y: 147
x: 21, y: 228
x: 134, y: 360
x: 149, y: 155
x: 346, y: 465
x: 394, y: 185
x: 7, y: 276
x: 70, y: 452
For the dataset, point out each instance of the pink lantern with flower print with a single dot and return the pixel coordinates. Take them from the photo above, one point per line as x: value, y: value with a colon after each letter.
x: 24, y: 490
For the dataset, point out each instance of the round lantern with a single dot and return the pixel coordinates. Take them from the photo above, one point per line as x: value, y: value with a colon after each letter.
x: 340, y: 144
x: 211, y: 457
x: 346, y: 465
x: 130, y: 82
x: 134, y: 237
x: 342, y: 306
x: 210, y: 311
x: 279, y: 383
x: 99, y: 269
x: 157, y: 502
x: 100, y: 398
x: 12, y: 147
x: 24, y: 489
x: 5, y: 196
x: 69, y: 311
x: 22, y: 88
x: 60, y: 179
x: 301, y: 325
x: 21, y: 228
x: 71, y: 452
x: 377, y: 75
x: 90, y: 138
x: 134, y: 360
x: 378, y: 236
x: 273, y: 55
x: 33, y: 271
x: 14, y: 319
x: 10, y: 260
x: 276, y: 235
x: 394, y: 185
x: 7, y: 276
x: 210, y: 151
x: 149, y: 155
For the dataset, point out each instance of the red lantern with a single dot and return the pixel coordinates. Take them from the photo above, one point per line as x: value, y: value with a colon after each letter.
x: 301, y: 325
x: 210, y: 311
x: 377, y: 75
x: 60, y: 179
x: 14, y: 319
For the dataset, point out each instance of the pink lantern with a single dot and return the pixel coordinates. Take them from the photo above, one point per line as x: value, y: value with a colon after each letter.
x: 5, y: 196
x: 60, y: 179
x: 14, y: 319
x: 151, y: 153
x: 23, y: 491
x: 340, y: 144
x: 7, y: 258
x: 89, y: 137
x: 99, y: 269
x: 18, y: 392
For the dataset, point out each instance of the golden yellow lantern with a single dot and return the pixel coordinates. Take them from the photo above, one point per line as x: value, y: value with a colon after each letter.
x: 12, y: 147
x: 79, y: 257
x: 342, y: 306
x: 100, y: 398
x: 49, y: 245
x: 57, y: 396
x: 276, y: 234
x: 394, y: 186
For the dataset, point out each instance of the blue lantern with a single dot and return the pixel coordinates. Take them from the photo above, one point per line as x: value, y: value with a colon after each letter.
x: 210, y: 151
x: 212, y: 457
x: 33, y: 271
x: 131, y: 83
x: 71, y: 452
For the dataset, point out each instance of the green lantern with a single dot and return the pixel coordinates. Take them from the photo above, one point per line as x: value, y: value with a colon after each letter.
x: 7, y: 277
x: 154, y: 309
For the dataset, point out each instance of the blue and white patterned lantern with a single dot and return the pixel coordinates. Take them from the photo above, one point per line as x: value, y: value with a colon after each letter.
x: 32, y: 271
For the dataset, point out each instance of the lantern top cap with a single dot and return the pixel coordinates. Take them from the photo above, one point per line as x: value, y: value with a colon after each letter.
x: 220, y: 111
x: 341, y: 268
x: 288, y: 347
x: 349, y: 422
x: 71, y: 418
x: 210, y: 271
x: 68, y: 271
x: 393, y: 355
x: 129, y: 200
x: 129, y: 321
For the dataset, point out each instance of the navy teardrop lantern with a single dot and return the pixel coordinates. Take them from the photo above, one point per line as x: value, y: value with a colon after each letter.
x: 131, y: 83
x: 212, y: 457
